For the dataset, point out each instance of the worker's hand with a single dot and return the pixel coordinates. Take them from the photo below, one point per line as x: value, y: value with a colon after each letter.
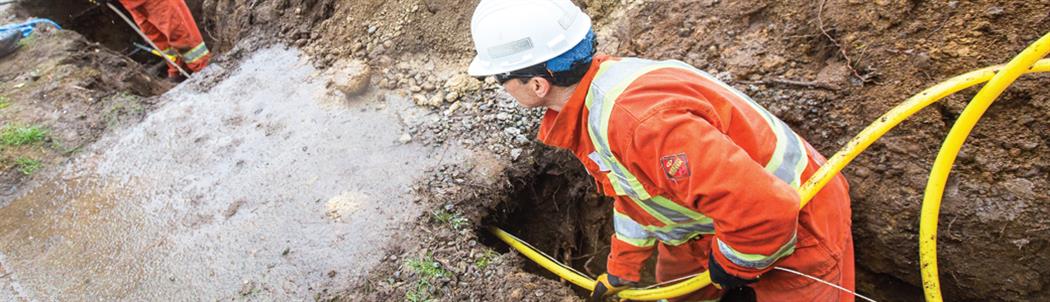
x: 723, y: 279
x: 608, y: 285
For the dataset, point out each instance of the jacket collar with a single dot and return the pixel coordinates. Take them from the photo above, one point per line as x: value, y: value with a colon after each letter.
x: 567, y: 128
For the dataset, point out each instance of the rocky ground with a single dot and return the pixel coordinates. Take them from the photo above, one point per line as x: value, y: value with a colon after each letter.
x: 828, y: 68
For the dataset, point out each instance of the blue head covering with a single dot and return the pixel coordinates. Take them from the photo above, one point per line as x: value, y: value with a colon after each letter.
x: 582, y: 52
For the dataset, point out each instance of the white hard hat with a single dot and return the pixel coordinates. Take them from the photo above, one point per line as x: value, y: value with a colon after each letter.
x: 513, y: 34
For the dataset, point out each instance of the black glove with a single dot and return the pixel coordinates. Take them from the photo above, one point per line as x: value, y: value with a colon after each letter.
x: 608, y: 285
x: 722, y: 279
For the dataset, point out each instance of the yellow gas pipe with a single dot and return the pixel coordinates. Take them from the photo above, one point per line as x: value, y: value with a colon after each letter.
x: 820, y: 178
x: 931, y: 203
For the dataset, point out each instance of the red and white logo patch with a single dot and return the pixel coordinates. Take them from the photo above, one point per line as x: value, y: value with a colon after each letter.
x: 675, y: 166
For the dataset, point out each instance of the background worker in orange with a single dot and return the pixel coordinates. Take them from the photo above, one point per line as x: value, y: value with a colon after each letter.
x: 698, y: 171
x: 170, y: 25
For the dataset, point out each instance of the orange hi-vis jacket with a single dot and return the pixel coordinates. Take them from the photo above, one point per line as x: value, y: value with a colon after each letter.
x: 170, y: 25
x: 686, y: 156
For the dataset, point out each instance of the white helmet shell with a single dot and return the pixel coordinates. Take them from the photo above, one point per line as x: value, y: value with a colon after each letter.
x: 513, y: 34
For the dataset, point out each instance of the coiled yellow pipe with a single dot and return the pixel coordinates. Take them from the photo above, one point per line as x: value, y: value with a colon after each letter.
x: 931, y: 203
x: 835, y: 164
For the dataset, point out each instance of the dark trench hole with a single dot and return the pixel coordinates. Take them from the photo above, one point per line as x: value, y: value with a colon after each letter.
x: 101, y: 25
x: 558, y: 211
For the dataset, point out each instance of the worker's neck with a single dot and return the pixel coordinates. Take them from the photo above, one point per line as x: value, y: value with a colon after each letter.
x: 559, y: 96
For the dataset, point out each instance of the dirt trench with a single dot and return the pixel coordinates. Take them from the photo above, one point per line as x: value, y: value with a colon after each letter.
x: 828, y: 68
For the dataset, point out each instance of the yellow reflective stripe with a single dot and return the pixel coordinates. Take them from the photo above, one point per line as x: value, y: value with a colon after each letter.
x: 600, y: 101
x: 637, y: 242
x: 196, y: 53
x: 756, y: 261
x: 674, y: 206
x: 789, y: 148
x: 623, y: 73
x: 593, y: 130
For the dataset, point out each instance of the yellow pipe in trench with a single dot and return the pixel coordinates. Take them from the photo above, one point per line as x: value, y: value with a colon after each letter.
x: 931, y: 203
x: 817, y: 181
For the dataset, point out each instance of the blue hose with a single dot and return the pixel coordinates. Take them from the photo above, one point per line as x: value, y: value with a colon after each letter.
x: 27, y: 27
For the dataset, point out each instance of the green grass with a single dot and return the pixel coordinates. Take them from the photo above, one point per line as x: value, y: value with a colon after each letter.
x: 428, y: 270
x: 420, y: 293
x: 452, y: 219
x: 17, y: 135
x: 485, y: 259
x: 4, y: 102
x: 27, y: 165
x: 27, y: 40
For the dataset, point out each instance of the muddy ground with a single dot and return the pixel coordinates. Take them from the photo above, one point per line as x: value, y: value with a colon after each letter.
x: 828, y: 69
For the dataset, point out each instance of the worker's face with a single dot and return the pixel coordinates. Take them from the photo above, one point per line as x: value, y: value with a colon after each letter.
x: 530, y: 93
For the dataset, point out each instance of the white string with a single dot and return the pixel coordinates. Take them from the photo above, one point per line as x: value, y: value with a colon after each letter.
x: 825, y: 282
x: 547, y: 256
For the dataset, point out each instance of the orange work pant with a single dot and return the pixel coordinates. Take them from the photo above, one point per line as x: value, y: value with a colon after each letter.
x: 829, y: 258
x: 170, y: 25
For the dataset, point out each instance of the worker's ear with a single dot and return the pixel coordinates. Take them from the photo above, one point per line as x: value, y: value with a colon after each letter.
x: 540, y: 86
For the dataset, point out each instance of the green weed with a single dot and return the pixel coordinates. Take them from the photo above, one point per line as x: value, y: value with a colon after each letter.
x: 428, y: 270
x: 452, y: 219
x: 15, y: 135
x: 27, y: 165
x: 485, y: 259
x: 27, y: 40
x: 420, y: 293
x: 4, y: 102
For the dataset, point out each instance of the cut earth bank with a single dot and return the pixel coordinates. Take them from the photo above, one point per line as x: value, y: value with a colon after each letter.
x: 855, y: 60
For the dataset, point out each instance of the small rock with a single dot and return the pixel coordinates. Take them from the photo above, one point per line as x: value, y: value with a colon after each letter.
x: 515, y: 153
x: 995, y: 11
x: 437, y: 99
x: 355, y: 84
x: 503, y: 116
x: 372, y: 29
x: 405, y: 138
x: 463, y: 84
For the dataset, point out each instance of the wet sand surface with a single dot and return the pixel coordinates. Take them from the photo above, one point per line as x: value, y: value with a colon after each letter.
x: 265, y: 185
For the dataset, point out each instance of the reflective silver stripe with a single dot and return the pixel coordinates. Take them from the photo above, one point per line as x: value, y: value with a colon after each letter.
x: 598, y: 160
x: 196, y: 53
x: 627, y: 227
x: 635, y: 233
x: 672, y: 215
x: 786, y: 171
x: 756, y: 261
x: 510, y: 48
x: 791, y: 161
x: 679, y: 234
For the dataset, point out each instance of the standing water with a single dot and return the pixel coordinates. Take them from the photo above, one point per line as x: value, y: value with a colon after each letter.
x: 264, y: 185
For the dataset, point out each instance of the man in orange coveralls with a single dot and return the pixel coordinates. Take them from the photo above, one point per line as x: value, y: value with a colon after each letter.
x: 698, y: 171
x: 169, y: 24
